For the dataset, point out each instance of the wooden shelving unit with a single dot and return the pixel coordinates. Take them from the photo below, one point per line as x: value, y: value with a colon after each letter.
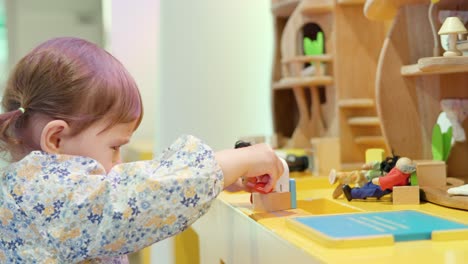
x: 356, y: 103
x: 326, y: 96
x: 360, y: 113
x: 284, y: 8
x: 351, y: 2
x: 370, y: 140
x: 319, y: 8
x: 436, y: 65
x: 309, y: 59
x: 364, y: 121
x: 385, y: 10
x: 409, y: 107
x: 303, y: 81
x: 290, y: 82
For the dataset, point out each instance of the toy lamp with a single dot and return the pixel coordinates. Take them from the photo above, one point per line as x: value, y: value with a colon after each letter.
x: 452, y: 27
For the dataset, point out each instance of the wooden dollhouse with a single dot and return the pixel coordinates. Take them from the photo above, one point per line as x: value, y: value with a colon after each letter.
x: 412, y: 80
x: 329, y: 94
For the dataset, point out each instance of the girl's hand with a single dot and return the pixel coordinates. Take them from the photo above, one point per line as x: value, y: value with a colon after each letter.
x: 255, y: 161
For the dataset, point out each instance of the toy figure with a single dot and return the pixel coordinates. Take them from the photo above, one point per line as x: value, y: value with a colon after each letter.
x: 360, y: 178
x: 380, y: 186
x: 353, y: 177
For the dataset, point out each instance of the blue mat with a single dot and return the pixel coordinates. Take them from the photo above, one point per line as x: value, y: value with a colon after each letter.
x: 403, y: 225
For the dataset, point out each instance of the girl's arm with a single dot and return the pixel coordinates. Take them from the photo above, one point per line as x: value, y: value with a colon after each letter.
x: 81, y: 213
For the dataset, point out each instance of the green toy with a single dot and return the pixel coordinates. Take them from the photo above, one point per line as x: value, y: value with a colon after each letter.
x: 441, y: 143
x: 314, y: 47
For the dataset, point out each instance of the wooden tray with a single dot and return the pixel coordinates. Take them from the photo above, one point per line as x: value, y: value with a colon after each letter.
x: 439, y: 195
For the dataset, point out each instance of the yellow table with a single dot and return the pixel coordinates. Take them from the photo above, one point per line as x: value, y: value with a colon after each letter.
x: 232, y: 233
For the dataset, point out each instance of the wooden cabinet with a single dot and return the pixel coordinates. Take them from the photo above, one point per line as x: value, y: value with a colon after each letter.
x: 329, y: 94
x: 411, y: 83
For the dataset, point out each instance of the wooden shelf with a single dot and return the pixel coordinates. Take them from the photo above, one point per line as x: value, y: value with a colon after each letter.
x: 284, y: 8
x: 356, y: 103
x: 436, y: 65
x: 319, y: 7
x: 364, y: 121
x: 385, y: 9
x: 309, y: 58
x: 290, y: 82
x: 351, y: 2
x: 370, y: 140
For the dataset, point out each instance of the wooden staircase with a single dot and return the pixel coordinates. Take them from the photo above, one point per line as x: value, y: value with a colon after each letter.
x: 364, y: 125
x: 363, y: 121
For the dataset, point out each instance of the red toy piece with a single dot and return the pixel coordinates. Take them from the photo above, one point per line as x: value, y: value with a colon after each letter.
x: 257, y: 184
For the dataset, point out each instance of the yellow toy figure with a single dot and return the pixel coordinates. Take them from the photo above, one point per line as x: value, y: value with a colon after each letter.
x: 356, y: 177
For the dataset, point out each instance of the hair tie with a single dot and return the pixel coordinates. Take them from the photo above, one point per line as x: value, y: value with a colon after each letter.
x: 21, y: 109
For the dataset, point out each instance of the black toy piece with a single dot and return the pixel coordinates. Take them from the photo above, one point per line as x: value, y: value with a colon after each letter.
x: 242, y: 144
x: 389, y: 163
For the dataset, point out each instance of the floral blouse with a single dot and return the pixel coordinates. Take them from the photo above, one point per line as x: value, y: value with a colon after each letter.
x: 65, y: 209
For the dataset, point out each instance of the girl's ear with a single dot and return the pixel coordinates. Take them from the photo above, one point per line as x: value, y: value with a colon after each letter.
x: 52, y: 135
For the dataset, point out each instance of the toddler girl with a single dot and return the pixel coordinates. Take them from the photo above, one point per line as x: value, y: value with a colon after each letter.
x: 68, y: 108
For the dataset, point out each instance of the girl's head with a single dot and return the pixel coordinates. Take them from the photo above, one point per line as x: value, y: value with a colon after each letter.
x: 68, y: 80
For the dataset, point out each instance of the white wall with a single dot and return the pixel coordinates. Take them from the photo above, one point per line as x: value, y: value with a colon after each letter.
x: 203, y: 67
x: 215, y: 59
x: 215, y: 68
x: 215, y: 64
x: 30, y: 22
x: 129, y: 31
x: 133, y: 39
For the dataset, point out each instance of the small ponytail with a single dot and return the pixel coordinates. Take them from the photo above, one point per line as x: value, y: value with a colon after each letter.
x: 8, y: 125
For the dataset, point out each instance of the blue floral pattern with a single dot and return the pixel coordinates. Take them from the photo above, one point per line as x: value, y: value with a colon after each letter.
x: 65, y: 209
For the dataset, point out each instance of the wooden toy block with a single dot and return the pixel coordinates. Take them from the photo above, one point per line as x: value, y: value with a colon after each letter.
x: 271, y: 202
x: 431, y: 173
x: 405, y: 195
x: 375, y: 154
x: 292, y: 190
x: 326, y: 155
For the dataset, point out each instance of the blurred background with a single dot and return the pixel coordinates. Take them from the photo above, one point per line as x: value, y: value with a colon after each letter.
x: 203, y: 67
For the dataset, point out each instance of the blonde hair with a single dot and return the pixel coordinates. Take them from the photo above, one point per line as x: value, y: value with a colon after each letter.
x: 69, y: 79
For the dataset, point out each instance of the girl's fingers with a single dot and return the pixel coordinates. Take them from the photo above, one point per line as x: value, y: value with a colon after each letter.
x: 264, y: 178
x: 269, y: 186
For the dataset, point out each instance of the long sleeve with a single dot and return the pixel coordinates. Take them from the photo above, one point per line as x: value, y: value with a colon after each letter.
x: 81, y: 213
